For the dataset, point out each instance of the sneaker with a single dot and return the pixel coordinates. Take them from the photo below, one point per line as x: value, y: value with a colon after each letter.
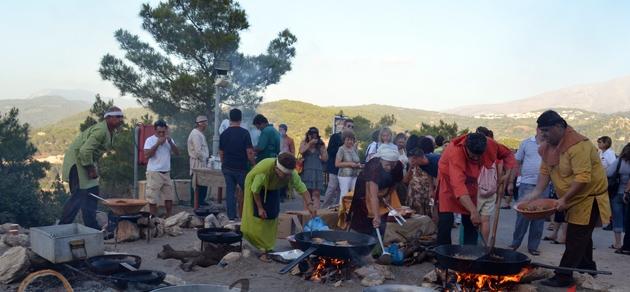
x: 534, y: 252
x: 608, y: 227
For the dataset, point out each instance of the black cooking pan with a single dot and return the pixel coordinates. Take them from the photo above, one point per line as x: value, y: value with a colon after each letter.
x: 219, y: 235
x: 358, y: 245
x: 148, y: 277
x: 474, y: 259
x: 111, y: 263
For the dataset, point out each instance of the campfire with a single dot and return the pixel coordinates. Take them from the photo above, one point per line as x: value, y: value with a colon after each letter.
x: 469, y: 282
x: 480, y: 282
x: 326, y: 269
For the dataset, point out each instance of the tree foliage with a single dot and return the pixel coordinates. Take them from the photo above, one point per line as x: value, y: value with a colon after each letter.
x: 444, y: 129
x: 177, y: 81
x: 387, y: 121
x: 19, y: 173
x: 97, y: 112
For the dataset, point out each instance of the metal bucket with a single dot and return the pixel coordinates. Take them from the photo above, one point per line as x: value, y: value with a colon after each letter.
x: 197, y: 288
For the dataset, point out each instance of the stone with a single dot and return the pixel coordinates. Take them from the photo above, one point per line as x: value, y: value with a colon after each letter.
x: 4, y: 228
x: 230, y: 258
x: 372, y: 279
x: 173, y: 230
x: 374, y: 274
x: 178, y: 219
x: 536, y: 274
x: 101, y: 218
x: 430, y: 277
x: 14, y: 264
x: 246, y: 253
x: 223, y: 219
x: 16, y: 240
x: 338, y: 283
x: 174, y: 280
x: 587, y: 281
x: 196, y: 222
x: 127, y: 231
x: 211, y: 221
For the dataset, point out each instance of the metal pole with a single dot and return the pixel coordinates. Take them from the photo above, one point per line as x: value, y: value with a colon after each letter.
x: 135, y: 161
x: 217, y: 113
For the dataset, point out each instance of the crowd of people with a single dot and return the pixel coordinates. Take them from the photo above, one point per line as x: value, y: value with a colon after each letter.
x: 450, y: 179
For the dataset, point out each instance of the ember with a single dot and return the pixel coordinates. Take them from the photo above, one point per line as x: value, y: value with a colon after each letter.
x: 480, y: 282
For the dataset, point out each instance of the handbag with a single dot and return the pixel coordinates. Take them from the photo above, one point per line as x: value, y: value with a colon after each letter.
x: 614, y: 181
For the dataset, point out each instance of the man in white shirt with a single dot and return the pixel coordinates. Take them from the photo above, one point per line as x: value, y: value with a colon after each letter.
x: 158, y: 149
x: 198, y: 153
x: 529, y: 164
x: 606, y: 153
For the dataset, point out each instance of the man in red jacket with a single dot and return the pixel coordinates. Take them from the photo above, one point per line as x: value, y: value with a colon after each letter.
x: 459, y: 169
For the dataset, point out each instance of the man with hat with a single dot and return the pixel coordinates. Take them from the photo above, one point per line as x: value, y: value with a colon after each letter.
x: 80, y: 168
x: 198, y: 152
x: 572, y: 163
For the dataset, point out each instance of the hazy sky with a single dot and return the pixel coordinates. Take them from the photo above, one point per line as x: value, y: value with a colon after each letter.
x: 430, y: 55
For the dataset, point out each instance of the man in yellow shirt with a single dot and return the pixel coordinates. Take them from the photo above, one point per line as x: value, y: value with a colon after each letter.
x: 572, y: 163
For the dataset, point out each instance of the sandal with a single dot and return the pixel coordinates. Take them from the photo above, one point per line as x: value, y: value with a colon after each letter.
x: 547, y: 238
x: 622, y: 251
x: 613, y: 247
x: 556, y: 242
x: 534, y: 252
x: 265, y: 258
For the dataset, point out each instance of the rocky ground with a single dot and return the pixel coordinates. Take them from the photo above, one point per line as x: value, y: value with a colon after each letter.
x: 265, y: 277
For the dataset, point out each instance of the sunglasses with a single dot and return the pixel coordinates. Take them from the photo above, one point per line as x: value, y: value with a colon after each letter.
x: 349, y: 126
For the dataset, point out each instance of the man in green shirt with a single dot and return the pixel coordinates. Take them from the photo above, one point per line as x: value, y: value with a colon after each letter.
x: 80, y: 167
x: 269, y: 140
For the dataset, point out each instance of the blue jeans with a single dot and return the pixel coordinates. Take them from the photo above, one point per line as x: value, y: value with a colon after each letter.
x: 232, y: 178
x: 618, y: 212
x: 522, y: 224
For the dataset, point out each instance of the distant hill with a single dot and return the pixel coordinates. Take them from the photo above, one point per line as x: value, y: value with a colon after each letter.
x: 604, y: 97
x: 300, y: 115
x: 44, y: 110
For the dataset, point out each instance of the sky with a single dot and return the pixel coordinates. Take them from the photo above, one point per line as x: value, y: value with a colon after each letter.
x: 422, y: 54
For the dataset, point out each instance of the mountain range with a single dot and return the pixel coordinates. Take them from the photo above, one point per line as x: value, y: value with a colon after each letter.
x: 604, y: 97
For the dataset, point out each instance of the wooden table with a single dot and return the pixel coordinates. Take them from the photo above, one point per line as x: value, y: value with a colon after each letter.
x: 210, y: 178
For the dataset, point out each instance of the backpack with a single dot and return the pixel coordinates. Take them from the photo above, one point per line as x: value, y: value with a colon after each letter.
x: 487, y: 181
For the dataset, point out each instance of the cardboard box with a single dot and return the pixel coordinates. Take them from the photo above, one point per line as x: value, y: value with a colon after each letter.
x: 288, y: 224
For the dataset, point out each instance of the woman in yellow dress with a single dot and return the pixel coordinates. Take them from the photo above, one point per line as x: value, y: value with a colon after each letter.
x: 261, y: 205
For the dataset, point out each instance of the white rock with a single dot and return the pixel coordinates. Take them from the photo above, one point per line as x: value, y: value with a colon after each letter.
x: 173, y: 280
x: 229, y: 258
x: 196, y: 222
x: 14, y: 264
x: 16, y: 240
x: 173, y: 231
x: 211, y: 221
x: 588, y: 282
x: 178, y: 219
x: 223, y: 219
x: 525, y: 288
x: 372, y: 279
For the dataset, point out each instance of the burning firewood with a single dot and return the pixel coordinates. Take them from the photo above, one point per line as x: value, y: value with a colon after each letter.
x: 211, y: 255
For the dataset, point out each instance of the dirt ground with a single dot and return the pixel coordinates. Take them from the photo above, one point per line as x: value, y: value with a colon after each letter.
x: 265, y: 277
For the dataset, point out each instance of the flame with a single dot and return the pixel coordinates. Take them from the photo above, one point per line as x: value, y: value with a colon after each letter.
x: 490, y: 282
x: 323, y: 263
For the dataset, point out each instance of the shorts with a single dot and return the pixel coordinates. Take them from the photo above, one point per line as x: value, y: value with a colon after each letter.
x: 486, y: 206
x: 159, y: 187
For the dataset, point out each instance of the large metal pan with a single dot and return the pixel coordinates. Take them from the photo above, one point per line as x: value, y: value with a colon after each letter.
x: 474, y: 259
x: 358, y: 245
x: 111, y: 263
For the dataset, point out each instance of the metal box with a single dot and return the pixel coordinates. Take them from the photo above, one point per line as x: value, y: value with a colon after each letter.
x: 67, y: 242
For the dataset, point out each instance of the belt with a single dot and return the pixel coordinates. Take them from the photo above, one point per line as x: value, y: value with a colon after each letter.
x: 163, y: 172
x: 596, y: 195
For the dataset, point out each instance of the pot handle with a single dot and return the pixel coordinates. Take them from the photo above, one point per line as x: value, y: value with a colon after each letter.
x: 294, y: 263
x: 534, y: 264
